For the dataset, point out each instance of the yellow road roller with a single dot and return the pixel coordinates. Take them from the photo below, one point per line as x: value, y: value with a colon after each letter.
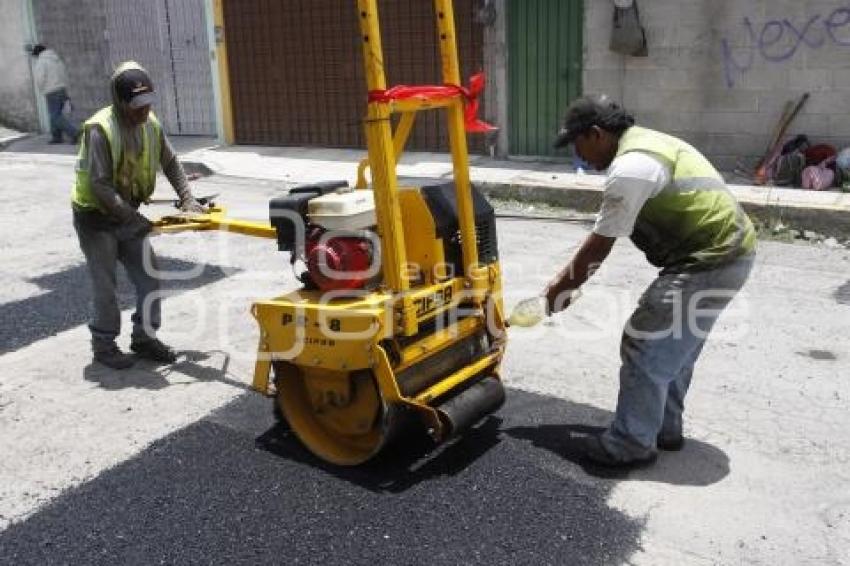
x: 400, y: 312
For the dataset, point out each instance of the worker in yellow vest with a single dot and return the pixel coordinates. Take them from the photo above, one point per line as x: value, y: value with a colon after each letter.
x: 674, y: 205
x: 122, y: 147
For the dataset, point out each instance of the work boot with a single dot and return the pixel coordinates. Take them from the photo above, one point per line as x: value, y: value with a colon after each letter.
x: 670, y: 442
x: 113, y: 357
x: 153, y: 349
x: 595, y: 453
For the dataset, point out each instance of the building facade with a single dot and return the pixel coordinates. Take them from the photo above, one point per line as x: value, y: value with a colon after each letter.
x: 18, y: 107
x: 718, y: 72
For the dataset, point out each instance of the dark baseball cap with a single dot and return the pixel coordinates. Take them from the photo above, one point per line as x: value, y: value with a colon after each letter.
x: 588, y: 111
x: 134, y: 87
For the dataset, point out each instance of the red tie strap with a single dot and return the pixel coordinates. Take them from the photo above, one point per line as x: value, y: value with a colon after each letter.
x: 470, y: 94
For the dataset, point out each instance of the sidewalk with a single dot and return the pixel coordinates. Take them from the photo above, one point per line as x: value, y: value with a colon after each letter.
x: 546, y: 182
x: 9, y: 136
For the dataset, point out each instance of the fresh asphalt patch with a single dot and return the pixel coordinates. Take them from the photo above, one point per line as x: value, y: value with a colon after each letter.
x: 237, y: 487
x: 66, y: 302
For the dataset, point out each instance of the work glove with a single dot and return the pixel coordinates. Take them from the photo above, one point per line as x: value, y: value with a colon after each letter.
x: 192, y: 206
x: 137, y: 227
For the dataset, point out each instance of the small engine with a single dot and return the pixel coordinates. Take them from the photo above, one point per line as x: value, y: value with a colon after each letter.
x: 340, y: 244
x: 336, y: 263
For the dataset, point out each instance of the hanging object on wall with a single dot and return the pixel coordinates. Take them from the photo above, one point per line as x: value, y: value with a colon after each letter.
x: 627, y: 34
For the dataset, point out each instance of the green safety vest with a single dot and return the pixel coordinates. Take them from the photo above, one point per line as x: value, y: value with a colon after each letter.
x: 133, y: 176
x: 694, y: 222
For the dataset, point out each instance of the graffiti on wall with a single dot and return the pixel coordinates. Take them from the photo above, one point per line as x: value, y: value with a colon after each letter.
x: 779, y: 40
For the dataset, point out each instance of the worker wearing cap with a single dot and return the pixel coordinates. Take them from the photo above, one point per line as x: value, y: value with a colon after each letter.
x: 122, y: 148
x: 675, y: 207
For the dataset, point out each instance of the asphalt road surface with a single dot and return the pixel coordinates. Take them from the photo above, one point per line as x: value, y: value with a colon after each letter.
x: 234, y: 488
x: 183, y: 465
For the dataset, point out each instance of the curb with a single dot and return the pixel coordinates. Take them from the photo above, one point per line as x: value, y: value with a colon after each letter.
x: 824, y: 212
x: 768, y: 206
x: 7, y: 141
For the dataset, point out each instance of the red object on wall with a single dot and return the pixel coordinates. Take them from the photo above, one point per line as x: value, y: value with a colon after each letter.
x: 819, y: 153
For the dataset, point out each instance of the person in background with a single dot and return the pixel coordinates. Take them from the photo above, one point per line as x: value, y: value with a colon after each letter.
x: 122, y: 147
x: 51, y: 79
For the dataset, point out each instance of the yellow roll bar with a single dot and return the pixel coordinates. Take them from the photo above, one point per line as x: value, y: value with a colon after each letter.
x: 385, y: 150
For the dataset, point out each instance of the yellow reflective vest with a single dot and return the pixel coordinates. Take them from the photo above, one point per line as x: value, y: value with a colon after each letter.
x: 133, y: 177
x: 694, y: 222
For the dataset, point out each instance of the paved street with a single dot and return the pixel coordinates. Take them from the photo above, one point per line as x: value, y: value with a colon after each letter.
x: 183, y: 464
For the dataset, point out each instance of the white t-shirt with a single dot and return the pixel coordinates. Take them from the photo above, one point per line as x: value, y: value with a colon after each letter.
x: 632, y: 178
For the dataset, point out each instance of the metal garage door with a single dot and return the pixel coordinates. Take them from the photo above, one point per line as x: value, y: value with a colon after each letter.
x: 168, y: 38
x: 296, y: 67
x: 545, y: 55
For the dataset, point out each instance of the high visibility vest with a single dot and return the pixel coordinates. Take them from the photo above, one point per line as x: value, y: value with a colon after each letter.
x: 133, y: 177
x: 694, y: 222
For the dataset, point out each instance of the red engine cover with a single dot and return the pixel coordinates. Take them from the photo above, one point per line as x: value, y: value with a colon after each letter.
x: 338, y: 263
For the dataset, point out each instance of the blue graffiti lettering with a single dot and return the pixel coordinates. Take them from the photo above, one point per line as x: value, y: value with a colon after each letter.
x: 768, y: 40
x: 803, y: 35
x: 837, y: 20
x: 779, y: 40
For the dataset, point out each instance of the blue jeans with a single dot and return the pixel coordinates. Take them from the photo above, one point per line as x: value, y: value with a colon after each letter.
x: 58, y: 122
x: 660, y: 345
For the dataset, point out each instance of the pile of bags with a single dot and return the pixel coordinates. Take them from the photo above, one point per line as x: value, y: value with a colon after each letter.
x: 813, y: 167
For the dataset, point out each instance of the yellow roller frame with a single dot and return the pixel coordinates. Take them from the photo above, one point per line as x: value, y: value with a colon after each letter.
x: 334, y: 389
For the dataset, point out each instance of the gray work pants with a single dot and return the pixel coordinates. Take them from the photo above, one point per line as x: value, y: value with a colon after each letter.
x: 104, y: 246
x: 661, y: 344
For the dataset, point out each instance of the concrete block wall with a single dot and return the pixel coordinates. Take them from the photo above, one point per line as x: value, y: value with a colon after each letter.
x: 76, y: 30
x: 720, y: 71
x: 17, y: 99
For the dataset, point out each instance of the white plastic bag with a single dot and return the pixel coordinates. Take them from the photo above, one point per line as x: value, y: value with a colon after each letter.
x: 528, y: 312
x: 67, y: 108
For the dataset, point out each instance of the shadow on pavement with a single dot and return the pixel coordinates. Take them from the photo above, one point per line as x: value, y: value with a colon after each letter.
x: 151, y: 375
x: 554, y: 427
x: 697, y: 464
x: 414, y: 458
x: 403, y: 464
x: 67, y: 302
x: 842, y: 294
x: 132, y: 378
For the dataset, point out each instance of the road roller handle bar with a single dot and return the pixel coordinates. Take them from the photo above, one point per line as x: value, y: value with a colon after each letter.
x: 214, y: 219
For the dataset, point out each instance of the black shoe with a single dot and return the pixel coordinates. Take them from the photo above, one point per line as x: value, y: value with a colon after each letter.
x: 153, y: 349
x: 670, y: 442
x: 594, y: 452
x: 54, y: 142
x: 114, y: 358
